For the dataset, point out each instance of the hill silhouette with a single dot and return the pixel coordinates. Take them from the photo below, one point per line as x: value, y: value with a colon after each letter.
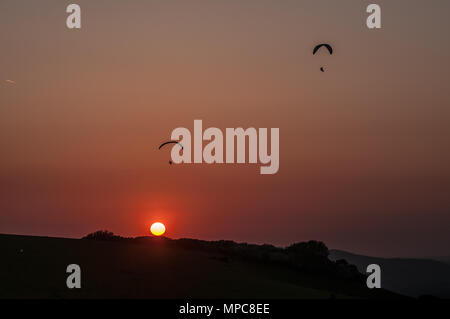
x: 152, y: 267
x: 444, y: 259
x: 408, y: 276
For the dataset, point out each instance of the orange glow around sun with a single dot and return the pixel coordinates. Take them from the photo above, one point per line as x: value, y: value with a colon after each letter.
x: 158, y: 229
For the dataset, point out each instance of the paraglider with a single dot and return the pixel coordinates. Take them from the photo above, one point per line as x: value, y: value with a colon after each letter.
x: 325, y: 45
x: 170, y: 142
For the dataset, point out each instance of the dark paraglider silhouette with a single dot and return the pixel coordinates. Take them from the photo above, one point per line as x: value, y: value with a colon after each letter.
x: 327, y: 46
x: 170, y: 142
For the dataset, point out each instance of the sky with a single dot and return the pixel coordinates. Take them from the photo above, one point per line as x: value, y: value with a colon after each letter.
x: 364, y: 146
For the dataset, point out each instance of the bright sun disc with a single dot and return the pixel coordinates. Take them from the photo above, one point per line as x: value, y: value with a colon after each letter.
x: 158, y: 229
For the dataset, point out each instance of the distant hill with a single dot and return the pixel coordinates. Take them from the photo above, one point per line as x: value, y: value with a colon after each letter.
x: 149, y: 267
x: 411, y: 277
x: 445, y: 259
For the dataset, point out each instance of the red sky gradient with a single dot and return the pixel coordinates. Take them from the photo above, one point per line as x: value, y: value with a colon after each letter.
x: 364, y: 147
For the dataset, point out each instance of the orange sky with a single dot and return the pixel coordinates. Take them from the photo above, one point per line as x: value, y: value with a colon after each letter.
x: 363, y: 147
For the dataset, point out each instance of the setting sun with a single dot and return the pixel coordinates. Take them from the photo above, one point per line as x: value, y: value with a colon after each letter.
x: 158, y: 229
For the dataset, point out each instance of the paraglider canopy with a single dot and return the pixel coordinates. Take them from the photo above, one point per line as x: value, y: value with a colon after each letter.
x: 326, y: 45
x: 170, y: 142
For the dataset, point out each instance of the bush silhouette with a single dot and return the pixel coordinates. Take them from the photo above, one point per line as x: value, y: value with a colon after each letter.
x: 103, y: 235
x: 311, y: 248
